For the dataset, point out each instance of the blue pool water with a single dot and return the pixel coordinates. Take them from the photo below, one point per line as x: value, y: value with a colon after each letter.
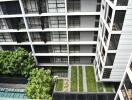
x: 11, y: 93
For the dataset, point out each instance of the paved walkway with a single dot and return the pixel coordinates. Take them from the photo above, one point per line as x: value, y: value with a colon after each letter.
x: 84, y: 79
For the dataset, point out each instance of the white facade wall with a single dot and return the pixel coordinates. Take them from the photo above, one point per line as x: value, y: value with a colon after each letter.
x: 124, y: 47
x: 86, y: 36
x: 85, y: 49
x: 88, y: 5
x: 87, y: 21
x: 85, y: 60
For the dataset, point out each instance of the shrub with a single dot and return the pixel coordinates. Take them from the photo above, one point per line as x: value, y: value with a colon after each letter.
x: 39, y: 84
x: 18, y: 62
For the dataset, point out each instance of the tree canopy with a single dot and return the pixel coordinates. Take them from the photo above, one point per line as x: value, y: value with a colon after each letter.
x: 39, y: 84
x: 18, y: 62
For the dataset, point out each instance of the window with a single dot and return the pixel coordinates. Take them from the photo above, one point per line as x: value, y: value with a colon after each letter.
x: 57, y: 22
x: 74, y: 49
x: 95, y: 36
x: 1, y: 12
x: 106, y: 36
x: 110, y: 59
x: 60, y: 60
x: 94, y: 48
x: 74, y: 36
x: 118, y: 20
x: 3, y: 24
x: 34, y: 22
x: 97, y: 21
x: 35, y: 37
x: 56, y: 6
x: 59, y: 49
x: 30, y: 6
x: 58, y: 36
x: 74, y: 21
x: 5, y: 37
x: 73, y: 5
x: 74, y: 60
x: 107, y: 72
x: 100, y: 67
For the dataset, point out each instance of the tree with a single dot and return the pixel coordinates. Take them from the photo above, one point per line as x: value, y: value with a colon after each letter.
x: 39, y: 84
x: 18, y: 62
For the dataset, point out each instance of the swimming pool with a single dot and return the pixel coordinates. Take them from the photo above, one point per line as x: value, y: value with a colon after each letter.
x: 11, y: 93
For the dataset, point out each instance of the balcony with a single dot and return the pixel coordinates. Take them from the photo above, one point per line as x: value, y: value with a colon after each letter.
x: 114, y: 40
x: 81, y: 60
x: 52, y: 61
x: 110, y: 59
x: 122, y: 2
x: 83, y: 5
x: 77, y: 37
x: 9, y: 8
x: 44, y: 6
x: 127, y: 89
x: 12, y: 23
x: 47, y: 37
x: 13, y: 47
x: 14, y: 37
x: 82, y: 49
x: 46, y: 22
x: 83, y: 21
x: 118, y: 20
x: 50, y: 50
x: 109, y: 15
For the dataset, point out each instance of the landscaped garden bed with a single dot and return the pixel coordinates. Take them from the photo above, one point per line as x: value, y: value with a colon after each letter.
x: 93, y: 86
x: 80, y: 79
x: 74, y: 81
x: 59, y: 85
x: 90, y: 79
x: 77, y: 80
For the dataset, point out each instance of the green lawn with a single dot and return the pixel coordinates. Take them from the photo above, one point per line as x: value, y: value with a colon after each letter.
x: 74, y: 83
x: 91, y: 83
x: 59, y: 85
x: 100, y: 86
x: 108, y: 87
x: 80, y: 79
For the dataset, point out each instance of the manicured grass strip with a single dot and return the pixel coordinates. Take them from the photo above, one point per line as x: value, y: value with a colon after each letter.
x: 100, y: 87
x: 108, y: 87
x: 91, y: 83
x: 59, y: 85
x: 80, y: 79
x: 74, y: 82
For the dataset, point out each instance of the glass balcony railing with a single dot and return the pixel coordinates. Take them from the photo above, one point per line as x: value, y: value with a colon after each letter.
x: 49, y: 37
x: 46, y: 22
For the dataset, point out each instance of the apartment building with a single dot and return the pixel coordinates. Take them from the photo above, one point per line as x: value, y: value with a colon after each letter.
x: 60, y: 33
x: 125, y: 89
x: 57, y: 32
x: 114, y: 44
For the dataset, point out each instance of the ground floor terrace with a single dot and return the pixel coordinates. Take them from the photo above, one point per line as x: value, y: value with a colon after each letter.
x: 80, y: 84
